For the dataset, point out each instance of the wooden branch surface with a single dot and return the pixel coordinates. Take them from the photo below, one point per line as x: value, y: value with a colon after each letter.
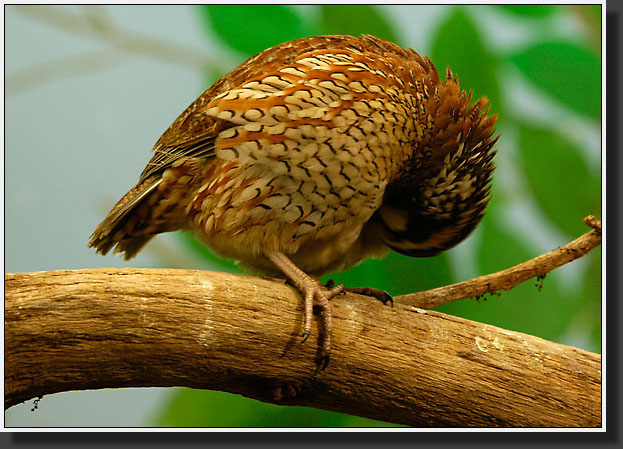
x: 112, y: 328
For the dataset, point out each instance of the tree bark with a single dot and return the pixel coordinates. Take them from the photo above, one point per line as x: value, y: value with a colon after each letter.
x: 113, y: 328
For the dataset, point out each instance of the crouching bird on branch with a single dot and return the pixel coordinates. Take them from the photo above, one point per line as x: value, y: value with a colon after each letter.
x: 312, y: 156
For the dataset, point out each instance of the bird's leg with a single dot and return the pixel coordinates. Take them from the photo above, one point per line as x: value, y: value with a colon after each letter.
x: 313, y: 291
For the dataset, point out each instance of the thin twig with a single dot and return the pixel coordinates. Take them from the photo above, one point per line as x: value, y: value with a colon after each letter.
x: 49, y: 71
x: 509, y: 278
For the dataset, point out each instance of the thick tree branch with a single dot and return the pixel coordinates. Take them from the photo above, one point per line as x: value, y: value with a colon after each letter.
x: 509, y: 278
x: 111, y: 328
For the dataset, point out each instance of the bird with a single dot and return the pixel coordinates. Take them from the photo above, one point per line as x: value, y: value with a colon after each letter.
x: 313, y: 156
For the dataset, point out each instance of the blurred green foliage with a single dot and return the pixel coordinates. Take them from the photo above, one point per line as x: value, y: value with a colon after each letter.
x: 459, y: 44
x: 249, y: 29
x: 569, y: 72
x: 561, y: 205
x: 202, y: 408
x: 531, y: 11
x: 548, y: 165
x: 355, y: 20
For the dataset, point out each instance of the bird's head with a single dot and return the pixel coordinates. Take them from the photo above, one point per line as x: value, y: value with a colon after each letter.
x: 440, y: 194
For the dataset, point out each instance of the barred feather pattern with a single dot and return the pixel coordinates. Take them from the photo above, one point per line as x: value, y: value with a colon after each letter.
x: 329, y: 149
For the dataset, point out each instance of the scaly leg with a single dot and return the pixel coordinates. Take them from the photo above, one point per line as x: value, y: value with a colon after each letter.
x: 312, y: 290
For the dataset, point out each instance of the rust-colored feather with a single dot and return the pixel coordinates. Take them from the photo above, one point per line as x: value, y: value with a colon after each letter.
x: 312, y: 156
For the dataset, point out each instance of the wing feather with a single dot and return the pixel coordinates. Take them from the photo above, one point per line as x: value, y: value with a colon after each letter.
x: 194, y: 131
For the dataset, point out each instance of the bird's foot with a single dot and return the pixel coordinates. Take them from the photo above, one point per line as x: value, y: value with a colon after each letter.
x: 317, y: 294
x: 314, y: 294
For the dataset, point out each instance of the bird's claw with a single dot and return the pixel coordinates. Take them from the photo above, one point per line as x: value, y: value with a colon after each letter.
x: 304, y: 336
x: 320, y: 295
x: 323, y: 360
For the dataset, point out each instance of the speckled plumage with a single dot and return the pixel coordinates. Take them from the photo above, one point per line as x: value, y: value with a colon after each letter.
x: 320, y: 152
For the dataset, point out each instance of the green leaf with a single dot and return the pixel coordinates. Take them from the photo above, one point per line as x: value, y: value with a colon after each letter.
x: 202, y: 408
x: 459, y: 45
x: 250, y: 29
x: 370, y: 273
x: 494, y: 256
x: 355, y: 20
x: 568, y: 72
x: 397, y: 274
x: 409, y: 274
x: 559, y: 178
x: 531, y: 10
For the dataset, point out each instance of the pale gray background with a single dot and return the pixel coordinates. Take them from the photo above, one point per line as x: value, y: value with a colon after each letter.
x: 78, y: 133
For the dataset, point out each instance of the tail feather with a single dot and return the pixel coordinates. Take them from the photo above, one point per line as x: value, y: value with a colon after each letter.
x: 121, y: 228
x: 130, y: 247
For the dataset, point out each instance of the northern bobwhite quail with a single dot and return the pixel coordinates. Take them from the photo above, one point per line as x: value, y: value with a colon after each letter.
x: 312, y: 156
